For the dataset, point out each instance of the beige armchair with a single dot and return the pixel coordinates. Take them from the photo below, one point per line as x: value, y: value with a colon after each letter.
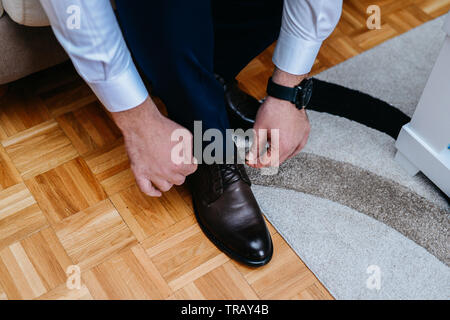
x: 27, y: 43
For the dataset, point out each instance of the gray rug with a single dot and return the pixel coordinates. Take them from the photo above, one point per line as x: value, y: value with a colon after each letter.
x: 395, y: 71
x: 360, y: 223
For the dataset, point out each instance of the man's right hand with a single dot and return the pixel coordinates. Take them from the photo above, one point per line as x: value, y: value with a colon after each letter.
x: 148, y: 142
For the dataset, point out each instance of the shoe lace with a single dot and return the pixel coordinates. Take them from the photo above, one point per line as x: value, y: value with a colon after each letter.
x: 230, y: 173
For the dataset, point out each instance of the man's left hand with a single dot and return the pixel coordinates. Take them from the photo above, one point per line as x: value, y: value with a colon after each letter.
x: 292, y: 124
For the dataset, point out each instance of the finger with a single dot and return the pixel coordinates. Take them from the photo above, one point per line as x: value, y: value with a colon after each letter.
x: 146, y: 187
x: 271, y: 158
x: 177, y: 179
x: 194, y: 167
x: 162, y: 185
x: 258, y: 147
x: 299, y: 147
x: 296, y: 152
x: 187, y: 169
x: 284, y: 156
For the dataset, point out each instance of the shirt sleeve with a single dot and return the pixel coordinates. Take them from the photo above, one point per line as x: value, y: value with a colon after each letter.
x: 306, y: 24
x: 90, y: 34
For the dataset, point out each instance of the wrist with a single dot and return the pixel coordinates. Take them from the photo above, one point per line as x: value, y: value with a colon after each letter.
x: 296, y: 89
x: 287, y: 79
x: 134, y: 119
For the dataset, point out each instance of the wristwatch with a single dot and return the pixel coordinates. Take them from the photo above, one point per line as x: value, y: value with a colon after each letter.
x: 299, y: 95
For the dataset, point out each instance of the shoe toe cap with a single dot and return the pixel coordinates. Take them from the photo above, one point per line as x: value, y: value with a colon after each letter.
x: 259, y: 249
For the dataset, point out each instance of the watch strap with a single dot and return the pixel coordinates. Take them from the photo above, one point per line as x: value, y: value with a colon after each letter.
x: 281, y: 92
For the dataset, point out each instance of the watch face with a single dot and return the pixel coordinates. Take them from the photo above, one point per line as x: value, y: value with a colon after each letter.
x: 305, y: 94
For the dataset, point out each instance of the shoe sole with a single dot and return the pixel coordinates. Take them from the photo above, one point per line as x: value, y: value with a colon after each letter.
x: 231, y: 254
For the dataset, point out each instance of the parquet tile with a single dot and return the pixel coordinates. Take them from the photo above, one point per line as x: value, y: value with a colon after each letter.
x: 68, y: 196
x: 283, y: 278
x: 225, y: 283
x: 66, y: 190
x: 39, y: 148
x: 406, y: 19
x: 372, y: 38
x: 146, y: 215
x: 128, y: 275
x: 62, y: 292
x: 20, y: 110
x: 182, y: 253
x: 313, y: 292
x: 188, y: 292
x: 89, y: 128
x: 3, y: 295
x: 9, y: 175
x: 94, y: 234
x: 19, y: 215
x: 33, y: 266
x: 434, y: 8
x: 186, y: 195
x: 222, y: 283
x: 67, y: 97
x: 111, y: 167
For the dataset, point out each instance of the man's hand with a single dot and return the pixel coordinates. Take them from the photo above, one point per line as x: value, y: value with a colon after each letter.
x: 293, y: 125
x: 148, y: 142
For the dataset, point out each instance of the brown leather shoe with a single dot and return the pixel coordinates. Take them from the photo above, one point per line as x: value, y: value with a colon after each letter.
x: 241, y: 107
x: 228, y: 213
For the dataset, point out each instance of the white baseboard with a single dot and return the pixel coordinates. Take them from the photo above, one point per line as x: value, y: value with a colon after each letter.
x: 414, y: 154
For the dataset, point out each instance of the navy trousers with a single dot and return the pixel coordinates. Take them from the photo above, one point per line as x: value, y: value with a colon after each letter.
x: 180, y: 45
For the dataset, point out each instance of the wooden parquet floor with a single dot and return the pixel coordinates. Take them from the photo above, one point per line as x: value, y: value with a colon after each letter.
x: 68, y: 197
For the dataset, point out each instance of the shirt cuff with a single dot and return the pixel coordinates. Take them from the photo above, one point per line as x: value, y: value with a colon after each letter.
x: 295, y: 55
x: 123, y: 92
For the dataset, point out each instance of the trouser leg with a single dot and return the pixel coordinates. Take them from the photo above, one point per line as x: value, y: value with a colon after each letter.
x: 242, y: 30
x: 172, y: 41
x: 180, y: 44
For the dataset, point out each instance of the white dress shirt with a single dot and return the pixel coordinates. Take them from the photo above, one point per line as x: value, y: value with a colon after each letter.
x: 100, y: 55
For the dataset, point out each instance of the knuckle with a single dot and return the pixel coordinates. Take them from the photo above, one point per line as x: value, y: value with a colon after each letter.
x: 167, y: 173
x: 179, y: 168
x: 143, y: 189
x: 166, y: 186
x: 154, y: 194
x: 140, y: 174
x: 180, y: 181
x: 177, y: 165
x: 141, y: 183
x: 146, y: 190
